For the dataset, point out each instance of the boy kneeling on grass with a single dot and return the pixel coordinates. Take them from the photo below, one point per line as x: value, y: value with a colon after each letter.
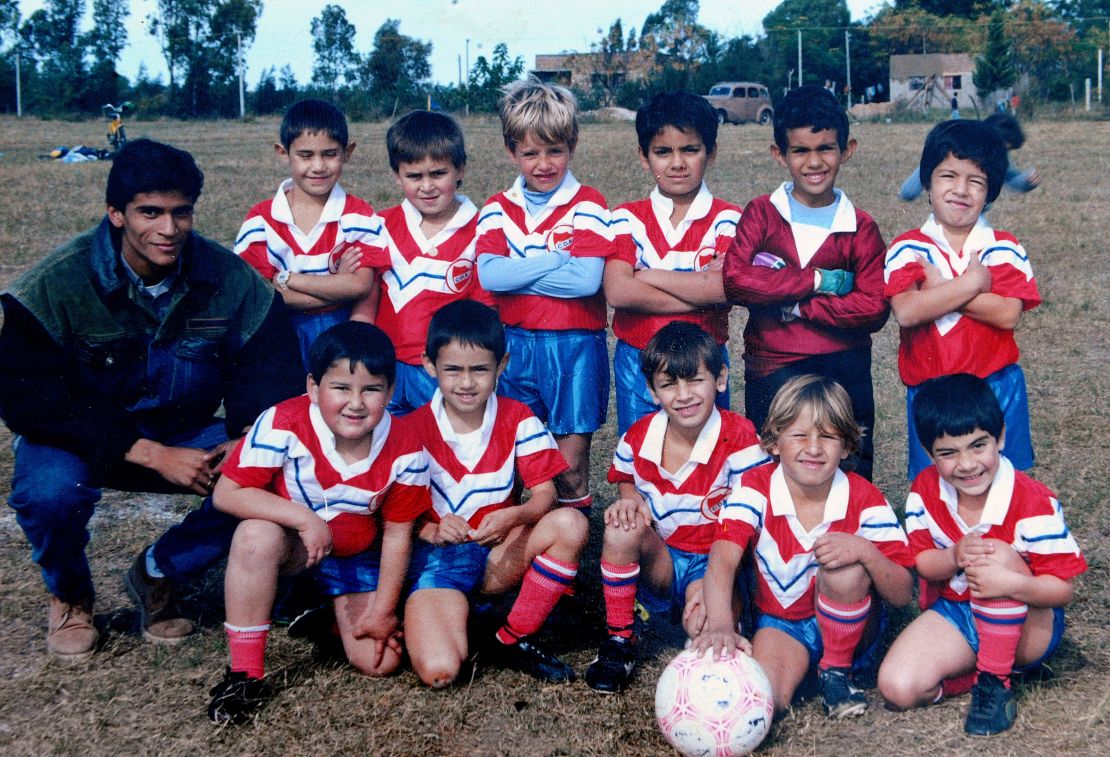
x: 996, y: 553
x: 308, y: 482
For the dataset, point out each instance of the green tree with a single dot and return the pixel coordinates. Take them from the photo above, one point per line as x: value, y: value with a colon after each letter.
x: 104, y: 43
x: 333, y: 42
x: 680, y: 44
x: 487, y: 77
x: 9, y: 48
x: 994, y: 69
x: 822, y: 23
x: 200, y: 40
x: 50, y: 42
x: 969, y: 9
x: 395, y: 69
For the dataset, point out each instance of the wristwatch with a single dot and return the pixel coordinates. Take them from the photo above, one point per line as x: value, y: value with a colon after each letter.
x: 281, y: 279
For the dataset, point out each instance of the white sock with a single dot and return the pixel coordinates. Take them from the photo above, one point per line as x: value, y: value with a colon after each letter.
x: 151, y: 565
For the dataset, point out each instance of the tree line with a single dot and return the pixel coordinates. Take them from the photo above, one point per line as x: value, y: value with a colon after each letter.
x: 1045, y: 47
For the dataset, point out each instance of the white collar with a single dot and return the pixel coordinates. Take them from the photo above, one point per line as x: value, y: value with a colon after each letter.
x: 979, y: 238
x: 413, y: 218
x: 652, y: 447
x: 844, y: 220
x: 998, y: 497
x: 327, y: 442
x: 836, y: 505
x: 562, y: 196
x: 698, y: 209
x: 448, y: 432
x: 333, y: 208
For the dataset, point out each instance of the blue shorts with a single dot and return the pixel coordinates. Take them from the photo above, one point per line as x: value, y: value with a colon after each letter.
x: 959, y: 615
x: 453, y: 566
x: 807, y: 633
x: 311, y: 325
x: 562, y: 376
x: 413, y: 388
x: 349, y: 575
x: 687, y: 568
x: 1008, y: 385
x: 633, y: 397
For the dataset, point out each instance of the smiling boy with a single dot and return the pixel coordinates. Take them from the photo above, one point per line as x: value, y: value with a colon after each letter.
x: 680, y: 228
x: 958, y: 287
x: 808, y: 266
x: 993, y: 544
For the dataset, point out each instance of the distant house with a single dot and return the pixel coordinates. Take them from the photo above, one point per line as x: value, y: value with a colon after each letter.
x: 930, y: 80
x: 588, y: 70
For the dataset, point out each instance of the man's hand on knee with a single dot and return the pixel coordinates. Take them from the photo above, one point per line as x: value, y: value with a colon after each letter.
x: 187, y: 467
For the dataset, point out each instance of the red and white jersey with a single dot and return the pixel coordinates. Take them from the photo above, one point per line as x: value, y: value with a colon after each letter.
x: 684, y: 504
x: 956, y: 343
x: 473, y: 474
x: 419, y: 275
x: 644, y: 238
x: 270, y: 241
x: 290, y: 451
x: 575, y: 220
x: 1019, y: 511
x: 760, y: 509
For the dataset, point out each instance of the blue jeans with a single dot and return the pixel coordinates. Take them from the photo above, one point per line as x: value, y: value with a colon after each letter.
x: 53, y: 495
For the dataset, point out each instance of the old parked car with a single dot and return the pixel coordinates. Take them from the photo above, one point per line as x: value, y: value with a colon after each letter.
x: 740, y: 101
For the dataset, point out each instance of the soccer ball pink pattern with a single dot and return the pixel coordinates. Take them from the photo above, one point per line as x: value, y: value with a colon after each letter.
x: 721, y: 708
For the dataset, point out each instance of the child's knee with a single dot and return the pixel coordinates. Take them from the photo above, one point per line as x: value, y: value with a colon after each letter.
x: 570, y: 527
x: 363, y: 662
x: 618, y: 537
x: 438, y: 671
x: 848, y: 584
x: 257, y: 540
x: 897, y: 688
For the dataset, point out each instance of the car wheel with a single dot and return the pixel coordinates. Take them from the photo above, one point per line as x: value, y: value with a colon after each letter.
x: 765, y: 117
x: 722, y: 117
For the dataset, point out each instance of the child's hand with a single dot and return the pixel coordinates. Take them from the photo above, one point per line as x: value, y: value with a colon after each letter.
x: 495, y: 527
x: 723, y: 641
x: 452, y: 530
x: 978, y: 272
x: 838, y: 550
x: 989, y: 579
x: 933, y: 276
x: 693, y: 615
x: 346, y: 259
x: 970, y: 549
x: 628, y: 514
x: 316, y: 537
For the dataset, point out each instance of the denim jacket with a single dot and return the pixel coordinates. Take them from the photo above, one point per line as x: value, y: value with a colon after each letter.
x: 86, y: 364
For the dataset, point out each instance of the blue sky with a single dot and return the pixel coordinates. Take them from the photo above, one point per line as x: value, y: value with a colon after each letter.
x: 527, y: 27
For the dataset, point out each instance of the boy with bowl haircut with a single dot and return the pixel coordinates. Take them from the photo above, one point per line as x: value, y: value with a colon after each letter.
x: 309, y: 239
x: 424, y: 258
x: 680, y: 227
x: 673, y: 468
x: 958, y: 287
x: 479, y: 537
x: 808, y: 266
x: 541, y: 249
x: 309, y: 483
x: 823, y: 541
x: 997, y: 554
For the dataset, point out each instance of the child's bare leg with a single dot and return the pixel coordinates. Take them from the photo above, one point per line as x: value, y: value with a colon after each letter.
x: 573, y: 485
x: 561, y: 533
x: 435, y: 634
x: 784, y: 659
x: 631, y: 554
x: 369, y: 656
x: 1036, y: 632
x: 260, y: 550
x: 927, y: 652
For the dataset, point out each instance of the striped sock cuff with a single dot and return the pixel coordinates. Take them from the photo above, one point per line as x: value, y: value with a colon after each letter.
x: 555, y: 570
x: 247, y: 631
x: 852, y: 612
x: 1004, y: 612
x: 578, y: 503
x: 619, y: 575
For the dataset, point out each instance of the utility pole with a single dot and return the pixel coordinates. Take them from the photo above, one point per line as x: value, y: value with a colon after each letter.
x: 18, y: 86
x: 848, y: 64
x: 239, y: 56
x: 799, y: 57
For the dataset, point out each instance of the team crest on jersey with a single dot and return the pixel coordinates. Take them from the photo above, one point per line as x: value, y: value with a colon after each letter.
x: 704, y: 257
x: 559, y: 238
x: 711, y: 503
x: 458, y: 275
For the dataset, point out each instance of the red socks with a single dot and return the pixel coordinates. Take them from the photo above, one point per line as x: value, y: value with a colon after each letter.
x: 841, y: 626
x: 248, y: 649
x: 618, y: 586
x: 999, y: 623
x: 546, y: 581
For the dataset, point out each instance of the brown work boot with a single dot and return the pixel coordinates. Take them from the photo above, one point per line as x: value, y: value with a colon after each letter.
x: 160, y: 619
x: 70, y: 633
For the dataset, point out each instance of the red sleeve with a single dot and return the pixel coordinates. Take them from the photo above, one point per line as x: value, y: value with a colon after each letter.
x: 405, y: 503
x: 865, y: 307
x: 750, y: 284
x: 624, y: 249
x: 249, y: 477
x: 736, y: 531
x: 1008, y: 281
x: 540, y: 467
x: 905, y: 278
x: 616, y: 476
x: 491, y: 233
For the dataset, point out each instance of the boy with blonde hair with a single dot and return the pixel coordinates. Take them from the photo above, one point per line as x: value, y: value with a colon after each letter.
x: 541, y: 250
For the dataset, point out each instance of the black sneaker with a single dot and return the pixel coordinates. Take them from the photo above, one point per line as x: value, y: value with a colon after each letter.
x: 316, y: 624
x: 236, y: 698
x: 840, y: 697
x: 528, y: 657
x: 992, y: 707
x: 611, y: 670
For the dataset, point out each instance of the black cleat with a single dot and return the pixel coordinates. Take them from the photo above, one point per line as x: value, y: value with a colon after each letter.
x: 611, y: 670
x: 992, y: 707
x: 528, y: 657
x: 236, y: 698
x: 840, y: 697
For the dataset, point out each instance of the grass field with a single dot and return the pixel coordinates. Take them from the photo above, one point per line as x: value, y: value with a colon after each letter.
x: 136, y: 698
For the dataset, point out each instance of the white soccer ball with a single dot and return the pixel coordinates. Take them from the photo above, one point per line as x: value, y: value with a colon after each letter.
x: 714, y: 707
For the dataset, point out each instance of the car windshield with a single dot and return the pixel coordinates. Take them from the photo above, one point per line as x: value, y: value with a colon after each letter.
x: 719, y: 91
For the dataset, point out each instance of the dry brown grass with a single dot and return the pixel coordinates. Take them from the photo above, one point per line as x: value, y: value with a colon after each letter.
x: 136, y: 698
